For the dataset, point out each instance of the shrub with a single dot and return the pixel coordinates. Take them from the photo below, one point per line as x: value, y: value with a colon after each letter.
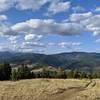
x: 61, y: 73
x: 23, y: 72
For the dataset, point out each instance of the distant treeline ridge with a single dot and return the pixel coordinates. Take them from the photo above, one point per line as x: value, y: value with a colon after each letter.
x: 24, y: 72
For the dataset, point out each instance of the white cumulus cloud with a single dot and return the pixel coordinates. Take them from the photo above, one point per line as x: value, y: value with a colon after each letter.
x: 38, y: 26
x: 58, y: 6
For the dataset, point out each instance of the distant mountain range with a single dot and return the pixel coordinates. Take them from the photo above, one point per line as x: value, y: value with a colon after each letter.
x: 74, y: 60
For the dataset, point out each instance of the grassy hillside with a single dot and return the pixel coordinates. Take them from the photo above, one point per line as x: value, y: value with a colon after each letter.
x: 50, y: 89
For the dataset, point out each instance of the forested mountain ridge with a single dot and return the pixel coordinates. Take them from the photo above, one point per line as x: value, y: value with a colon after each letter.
x: 73, y: 60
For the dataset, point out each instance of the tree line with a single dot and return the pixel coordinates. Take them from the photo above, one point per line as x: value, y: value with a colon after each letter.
x: 23, y: 72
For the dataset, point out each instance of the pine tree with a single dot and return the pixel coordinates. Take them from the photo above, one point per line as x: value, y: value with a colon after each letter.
x: 5, y: 71
x: 14, y: 75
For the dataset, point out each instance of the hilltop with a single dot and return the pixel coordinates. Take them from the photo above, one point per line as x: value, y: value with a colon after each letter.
x: 74, y: 60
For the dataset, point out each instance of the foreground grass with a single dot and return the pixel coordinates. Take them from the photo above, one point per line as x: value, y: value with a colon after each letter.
x: 50, y: 89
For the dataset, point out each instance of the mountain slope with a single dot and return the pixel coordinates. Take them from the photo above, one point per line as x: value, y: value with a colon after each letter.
x: 75, y: 60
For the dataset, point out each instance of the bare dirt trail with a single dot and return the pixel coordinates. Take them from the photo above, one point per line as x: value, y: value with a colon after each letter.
x: 91, y: 84
x: 72, y: 92
x: 50, y: 89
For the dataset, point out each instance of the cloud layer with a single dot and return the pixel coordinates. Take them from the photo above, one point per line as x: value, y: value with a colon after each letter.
x: 78, y: 23
x: 29, y: 35
x: 54, y: 7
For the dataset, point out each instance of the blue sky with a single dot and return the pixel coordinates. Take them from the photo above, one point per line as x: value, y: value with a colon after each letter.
x: 50, y: 26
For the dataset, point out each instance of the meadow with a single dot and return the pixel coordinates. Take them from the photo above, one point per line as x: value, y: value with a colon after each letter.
x: 50, y: 89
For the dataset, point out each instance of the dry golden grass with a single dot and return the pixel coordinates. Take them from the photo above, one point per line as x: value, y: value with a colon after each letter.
x: 50, y: 89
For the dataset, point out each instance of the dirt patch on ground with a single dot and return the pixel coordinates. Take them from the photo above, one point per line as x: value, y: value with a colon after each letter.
x: 50, y: 89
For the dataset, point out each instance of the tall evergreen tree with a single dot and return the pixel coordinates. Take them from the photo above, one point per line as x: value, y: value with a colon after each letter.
x: 5, y: 71
x: 14, y: 75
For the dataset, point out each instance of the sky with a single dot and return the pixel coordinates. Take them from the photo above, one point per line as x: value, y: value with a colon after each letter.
x: 50, y: 26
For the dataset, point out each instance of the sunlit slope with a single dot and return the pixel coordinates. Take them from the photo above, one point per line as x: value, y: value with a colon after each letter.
x: 50, y: 89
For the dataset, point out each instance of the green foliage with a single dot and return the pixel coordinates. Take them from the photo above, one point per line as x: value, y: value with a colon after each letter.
x: 61, y: 73
x: 45, y: 73
x: 14, y: 75
x: 5, y: 71
x: 23, y: 72
x: 83, y: 75
x: 89, y: 76
x: 76, y: 74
